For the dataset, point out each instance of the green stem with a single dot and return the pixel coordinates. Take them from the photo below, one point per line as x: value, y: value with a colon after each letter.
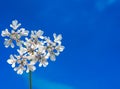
x: 30, y: 80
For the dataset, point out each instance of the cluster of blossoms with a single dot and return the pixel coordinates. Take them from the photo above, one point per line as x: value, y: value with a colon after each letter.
x: 35, y: 49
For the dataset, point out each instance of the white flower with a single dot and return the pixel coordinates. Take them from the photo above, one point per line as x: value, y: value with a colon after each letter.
x: 22, y: 50
x: 27, y: 42
x: 12, y: 61
x: 41, y: 49
x: 30, y: 44
x: 58, y: 38
x: 5, y: 33
x: 52, y: 56
x: 19, y: 69
x: 47, y: 41
x: 43, y: 62
x: 59, y: 48
x: 15, y: 24
x: 31, y: 57
x: 19, y: 43
x: 37, y: 34
x: 30, y: 68
x: 23, y: 32
x: 8, y: 42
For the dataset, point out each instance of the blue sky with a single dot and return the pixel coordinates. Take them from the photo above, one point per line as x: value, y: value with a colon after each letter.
x: 91, y: 36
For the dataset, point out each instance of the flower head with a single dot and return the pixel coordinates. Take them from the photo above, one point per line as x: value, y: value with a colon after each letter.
x: 15, y: 34
x: 33, y: 50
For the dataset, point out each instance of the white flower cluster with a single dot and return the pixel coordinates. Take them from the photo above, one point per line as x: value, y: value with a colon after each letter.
x: 35, y: 49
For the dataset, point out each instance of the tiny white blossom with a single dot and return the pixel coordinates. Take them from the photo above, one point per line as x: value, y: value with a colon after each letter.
x: 41, y: 49
x: 48, y: 41
x: 19, y: 43
x: 12, y: 61
x: 58, y: 38
x: 8, y: 42
x: 15, y: 24
x: 30, y: 68
x: 23, y: 32
x: 5, y: 33
x: 19, y: 69
x: 30, y: 57
x: 22, y: 50
x: 59, y: 48
x: 43, y: 62
x: 52, y: 56
x: 37, y: 34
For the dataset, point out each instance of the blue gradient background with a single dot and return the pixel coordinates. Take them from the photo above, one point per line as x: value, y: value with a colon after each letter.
x: 91, y: 36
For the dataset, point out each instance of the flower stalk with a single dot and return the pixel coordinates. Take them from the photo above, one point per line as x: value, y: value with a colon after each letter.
x: 30, y: 79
